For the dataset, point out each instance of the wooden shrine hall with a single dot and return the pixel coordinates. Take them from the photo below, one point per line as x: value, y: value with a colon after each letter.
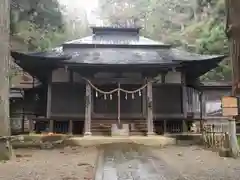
x: 115, y: 82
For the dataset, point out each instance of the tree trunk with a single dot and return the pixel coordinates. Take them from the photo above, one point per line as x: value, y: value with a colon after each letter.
x: 4, y: 77
x: 233, y: 34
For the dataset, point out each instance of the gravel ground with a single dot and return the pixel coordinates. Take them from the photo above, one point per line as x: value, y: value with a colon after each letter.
x: 59, y: 164
x: 195, y: 163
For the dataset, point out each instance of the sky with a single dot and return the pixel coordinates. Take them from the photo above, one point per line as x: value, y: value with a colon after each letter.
x: 88, y: 5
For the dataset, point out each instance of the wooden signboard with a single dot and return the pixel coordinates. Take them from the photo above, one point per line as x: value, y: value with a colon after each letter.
x: 229, y: 106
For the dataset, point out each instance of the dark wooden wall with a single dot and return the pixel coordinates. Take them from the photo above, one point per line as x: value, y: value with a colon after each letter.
x: 167, y: 99
x: 35, y: 101
x: 68, y: 99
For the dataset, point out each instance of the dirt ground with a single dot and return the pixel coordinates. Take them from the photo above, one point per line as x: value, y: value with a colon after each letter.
x: 195, y: 163
x: 79, y: 163
x: 70, y: 163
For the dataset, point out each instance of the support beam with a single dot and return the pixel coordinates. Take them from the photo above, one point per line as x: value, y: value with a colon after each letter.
x: 164, y: 126
x: 184, y: 126
x: 70, y: 127
x: 184, y: 95
x: 51, y: 126
x: 119, y: 107
x: 31, y: 126
x: 149, y: 108
x: 49, y: 97
x: 202, y: 111
x: 49, y: 103
x: 144, y: 102
x: 23, y: 120
x: 184, y: 101
x: 87, y: 124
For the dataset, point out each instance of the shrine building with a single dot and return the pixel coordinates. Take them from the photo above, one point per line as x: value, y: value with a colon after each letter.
x: 115, y: 81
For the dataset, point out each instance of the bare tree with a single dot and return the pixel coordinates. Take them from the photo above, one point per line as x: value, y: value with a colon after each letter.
x: 233, y: 34
x: 4, y: 78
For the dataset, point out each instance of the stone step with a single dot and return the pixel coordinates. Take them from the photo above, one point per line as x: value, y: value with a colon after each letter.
x: 104, y: 127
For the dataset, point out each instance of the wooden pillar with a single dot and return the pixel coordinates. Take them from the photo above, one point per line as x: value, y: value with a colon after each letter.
x: 119, y: 108
x: 149, y: 108
x: 23, y: 119
x: 164, y: 126
x: 70, y: 127
x: 49, y: 103
x: 144, y: 102
x: 51, y: 125
x: 202, y: 113
x: 184, y: 102
x: 31, y: 126
x: 49, y: 99
x: 87, y: 124
x: 184, y: 126
x: 184, y: 95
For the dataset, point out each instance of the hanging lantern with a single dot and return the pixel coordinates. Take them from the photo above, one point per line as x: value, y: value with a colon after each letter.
x: 139, y: 93
x: 96, y: 94
x: 105, y: 96
x: 132, y: 95
x: 126, y: 96
x: 110, y: 96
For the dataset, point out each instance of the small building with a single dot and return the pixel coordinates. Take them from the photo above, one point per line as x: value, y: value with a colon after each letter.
x: 22, y: 85
x: 213, y: 93
x: 116, y: 79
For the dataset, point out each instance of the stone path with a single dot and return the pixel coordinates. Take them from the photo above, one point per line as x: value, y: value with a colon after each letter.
x: 132, y: 162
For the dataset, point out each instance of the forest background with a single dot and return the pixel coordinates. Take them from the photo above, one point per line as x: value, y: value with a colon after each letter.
x: 195, y: 25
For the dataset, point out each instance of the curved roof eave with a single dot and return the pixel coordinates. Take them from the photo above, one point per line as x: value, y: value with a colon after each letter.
x: 194, y: 64
x: 40, y: 55
x: 196, y: 68
x: 35, y: 63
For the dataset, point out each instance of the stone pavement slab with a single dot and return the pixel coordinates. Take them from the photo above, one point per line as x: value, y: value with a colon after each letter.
x: 132, y: 162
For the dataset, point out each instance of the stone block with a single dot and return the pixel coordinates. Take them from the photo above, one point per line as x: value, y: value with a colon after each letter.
x: 124, y: 131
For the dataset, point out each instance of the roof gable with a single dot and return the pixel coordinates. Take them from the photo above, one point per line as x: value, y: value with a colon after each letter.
x: 115, y: 37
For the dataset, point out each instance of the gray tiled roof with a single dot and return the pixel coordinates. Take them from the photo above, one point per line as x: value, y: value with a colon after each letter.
x: 115, y: 36
x: 135, y: 50
x: 180, y: 54
x: 116, y: 46
x: 119, y: 56
x: 132, y: 56
x: 110, y: 45
x: 115, y: 40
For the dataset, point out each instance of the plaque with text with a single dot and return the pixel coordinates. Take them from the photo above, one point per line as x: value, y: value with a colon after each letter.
x: 229, y: 106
